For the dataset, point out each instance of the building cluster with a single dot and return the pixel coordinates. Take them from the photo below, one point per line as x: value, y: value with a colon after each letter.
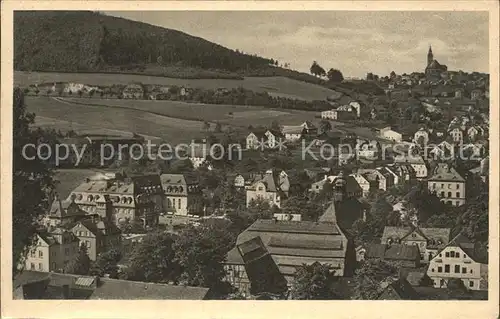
x: 268, y: 253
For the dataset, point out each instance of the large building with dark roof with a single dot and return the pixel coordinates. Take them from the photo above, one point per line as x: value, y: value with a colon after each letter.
x: 120, y: 198
x: 292, y: 244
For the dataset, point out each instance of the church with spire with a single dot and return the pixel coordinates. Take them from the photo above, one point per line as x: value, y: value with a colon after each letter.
x: 433, y: 69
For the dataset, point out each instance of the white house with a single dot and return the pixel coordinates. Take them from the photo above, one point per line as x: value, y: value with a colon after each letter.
x: 363, y: 183
x: 329, y: 114
x: 459, y: 260
x: 475, y: 131
x: 389, y: 134
x: 448, y: 185
x: 367, y: 149
x: 292, y: 133
x: 457, y: 135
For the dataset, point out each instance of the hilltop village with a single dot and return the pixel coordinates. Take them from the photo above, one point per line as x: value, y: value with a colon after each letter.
x: 400, y: 213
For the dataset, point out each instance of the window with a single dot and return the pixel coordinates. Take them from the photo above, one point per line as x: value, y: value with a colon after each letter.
x: 458, y: 186
x: 40, y: 254
x: 449, y: 194
x: 452, y: 254
x: 40, y: 266
x: 446, y: 268
x: 457, y: 269
x: 440, y: 269
x: 53, y: 266
x: 432, y: 269
x: 442, y: 194
x: 33, y: 253
x: 449, y: 186
x: 53, y: 254
x: 32, y: 266
x: 433, y: 185
x: 168, y: 203
x: 88, y: 243
x: 471, y: 271
x: 447, y: 254
x: 458, y: 194
x: 442, y: 185
x: 471, y: 283
x: 179, y: 203
x: 464, y: 270
x: 457, y: 255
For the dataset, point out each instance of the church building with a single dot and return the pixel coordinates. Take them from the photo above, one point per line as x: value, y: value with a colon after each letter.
x: 434, y: 68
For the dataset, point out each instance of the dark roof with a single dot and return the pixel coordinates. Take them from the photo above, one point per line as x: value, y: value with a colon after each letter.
x: 392, y: 252
x: 294, y: 227
x: 86, y: 287
x: 431, y: 234
x: 471, y: 249
x: 134, y: 290
x: 399, y: 289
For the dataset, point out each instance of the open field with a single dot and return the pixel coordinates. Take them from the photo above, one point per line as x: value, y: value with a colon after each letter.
x: 234, y: 115
x: 278, y: 86
x: 175, y: 122
x: 96, y: 118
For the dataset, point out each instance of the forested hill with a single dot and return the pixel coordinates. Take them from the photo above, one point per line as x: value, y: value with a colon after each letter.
x: 89, y: 41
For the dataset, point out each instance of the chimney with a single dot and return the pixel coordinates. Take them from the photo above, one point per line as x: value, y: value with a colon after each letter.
x: 65, y: 291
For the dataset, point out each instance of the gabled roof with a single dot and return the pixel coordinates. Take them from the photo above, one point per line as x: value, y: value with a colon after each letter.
x: 444, y: 172
x: 330, y: 215
x: 298, y: 129
x: 470, y: 249
x: 399, y: 289
x: 392, y: 252
x: 433, y: 235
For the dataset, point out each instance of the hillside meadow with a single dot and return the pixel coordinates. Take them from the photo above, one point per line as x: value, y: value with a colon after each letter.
x: 175, y: 122
x: 274, y: 85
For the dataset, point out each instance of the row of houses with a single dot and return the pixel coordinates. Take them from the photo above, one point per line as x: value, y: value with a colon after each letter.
x: 431, y: 252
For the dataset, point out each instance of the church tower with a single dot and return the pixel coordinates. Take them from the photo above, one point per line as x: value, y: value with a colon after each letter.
x: 430, y: 56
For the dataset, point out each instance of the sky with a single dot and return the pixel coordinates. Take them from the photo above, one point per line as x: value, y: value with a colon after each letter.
x: 355, y: 42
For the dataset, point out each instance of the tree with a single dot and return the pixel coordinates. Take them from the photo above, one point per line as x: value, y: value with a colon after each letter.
x: 309, y: 209
x: 201, y: 251
x: 368, y: 278
x: 325, y: 126
x: 369, y: 76
x: 80, y: 93
x: 335, y: 76
x: 218, y: 127
x: 275, y: 125
x: 80, y: 264
x: 152, y: 260
x: 33, y: 177
x: 314, y: 282
x: 107, y: 263
x: 91, y: 93
x: 317, y: 70
x: 392, y: 75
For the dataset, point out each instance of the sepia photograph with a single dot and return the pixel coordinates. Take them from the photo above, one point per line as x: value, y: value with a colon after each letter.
x: 248, y: 155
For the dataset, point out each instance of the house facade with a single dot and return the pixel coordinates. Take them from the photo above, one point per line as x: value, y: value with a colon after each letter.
x: 119, y: 198
x: 448, y: 185
x: 98, y: 235
x: 428, y: 240
x: 268, y: 188
x: 53, y: 249
x: 459, y: 259
x: 182, y: 195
